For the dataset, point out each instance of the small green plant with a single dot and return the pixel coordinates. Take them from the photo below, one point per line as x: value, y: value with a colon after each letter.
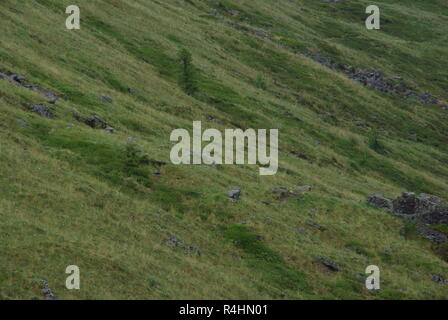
x: 375, y: 143
x: 188, y: 74
x: 260, y: 83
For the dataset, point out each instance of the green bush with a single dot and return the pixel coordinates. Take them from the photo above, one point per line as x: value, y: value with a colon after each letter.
x: 188, y: 74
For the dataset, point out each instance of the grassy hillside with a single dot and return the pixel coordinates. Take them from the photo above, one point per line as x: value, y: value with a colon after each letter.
x: 74, y: 195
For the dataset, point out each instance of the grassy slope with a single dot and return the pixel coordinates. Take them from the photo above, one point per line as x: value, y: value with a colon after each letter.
x: 67, y: 195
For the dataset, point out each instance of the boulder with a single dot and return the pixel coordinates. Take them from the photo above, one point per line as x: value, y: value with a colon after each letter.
x: 42, y: 110
x: 381, y: 202
x: 333, y: 266
x: 96, y: 122
x: 431, y: 234
x: 234, y: 193
x: 424, y: 208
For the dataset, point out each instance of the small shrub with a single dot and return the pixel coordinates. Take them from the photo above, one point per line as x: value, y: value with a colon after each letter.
x: 188, y: 74
x: 375, y: 143
x: 260, y: 83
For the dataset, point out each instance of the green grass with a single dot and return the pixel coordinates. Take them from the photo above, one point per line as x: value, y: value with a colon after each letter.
x: 77, y: 195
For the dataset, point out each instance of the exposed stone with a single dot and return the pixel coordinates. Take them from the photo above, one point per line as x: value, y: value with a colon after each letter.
x: 431, y: 234
x: 381, y: 202
x: 315, y: 225
x: 21, y: 123
x: 96, y: 122
x: 372, y: 78
x: 424, y: 208
x: 48, y: 293
x: 110, y: 129
x: 19, y: 80
x: 107, y: 99
x: 303, y: 188
x: 234, y: 193
x: 193, y: 249
x: 299, y: 230
x: 42, y: 110
x: 333, y: 266
x: 437, y: 278
x: 173, y: 241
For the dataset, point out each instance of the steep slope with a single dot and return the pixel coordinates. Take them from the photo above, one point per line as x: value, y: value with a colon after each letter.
x: 74, y: 195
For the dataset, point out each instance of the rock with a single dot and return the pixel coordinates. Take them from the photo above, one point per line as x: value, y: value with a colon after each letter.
x: 42, y: 110
x: 131, y: 140
x: 70, y: 125
x: 49, y: 94
x: 48, y: 293
x: 96, y: 122
x: 284, y: 194
x: 19, y: 80
x: 361, y: 124
x: 18, y: 77
x: 437, y: 278
x: 193, y: 249
x: 425, y: 208
x: 110, y: 129
x: 107, y: 99
x: 234, y: 193
x: 371, y: 78
x: 315, y: 225
x: 173, y: 241
x: 299, y: 230
x: 21, y: 123
x: 333, y: 266
x: 431, y: 234
x: 381, y: 202
x: 131, y: 91
x: 303, y: 188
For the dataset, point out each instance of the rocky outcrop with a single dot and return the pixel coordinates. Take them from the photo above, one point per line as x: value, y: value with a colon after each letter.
x: 424, y: 208
x: 381, y: 202
x: 374, y: 79
x: 20, y: 81
x: 331, y: 265
x: 42, y: 110
x: 234, y: 193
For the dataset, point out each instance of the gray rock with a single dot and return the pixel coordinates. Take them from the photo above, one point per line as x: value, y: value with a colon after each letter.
x: 48, y: 293
x: 299, y: 230
x: 21, y: 123
x: 96, y: 122
x: 315, y: 225
x: 107, y: 99
x: 173, y: 241
x: 303, y: 188
x: 234, y: 193
x: 381, y: 202
x: 110, y: 129
x: 42, y: 110
x: 333, y: 266
x: 431, y: 234
x: 437, y: 278
x: 131, y: 140
x: 425, y: 208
